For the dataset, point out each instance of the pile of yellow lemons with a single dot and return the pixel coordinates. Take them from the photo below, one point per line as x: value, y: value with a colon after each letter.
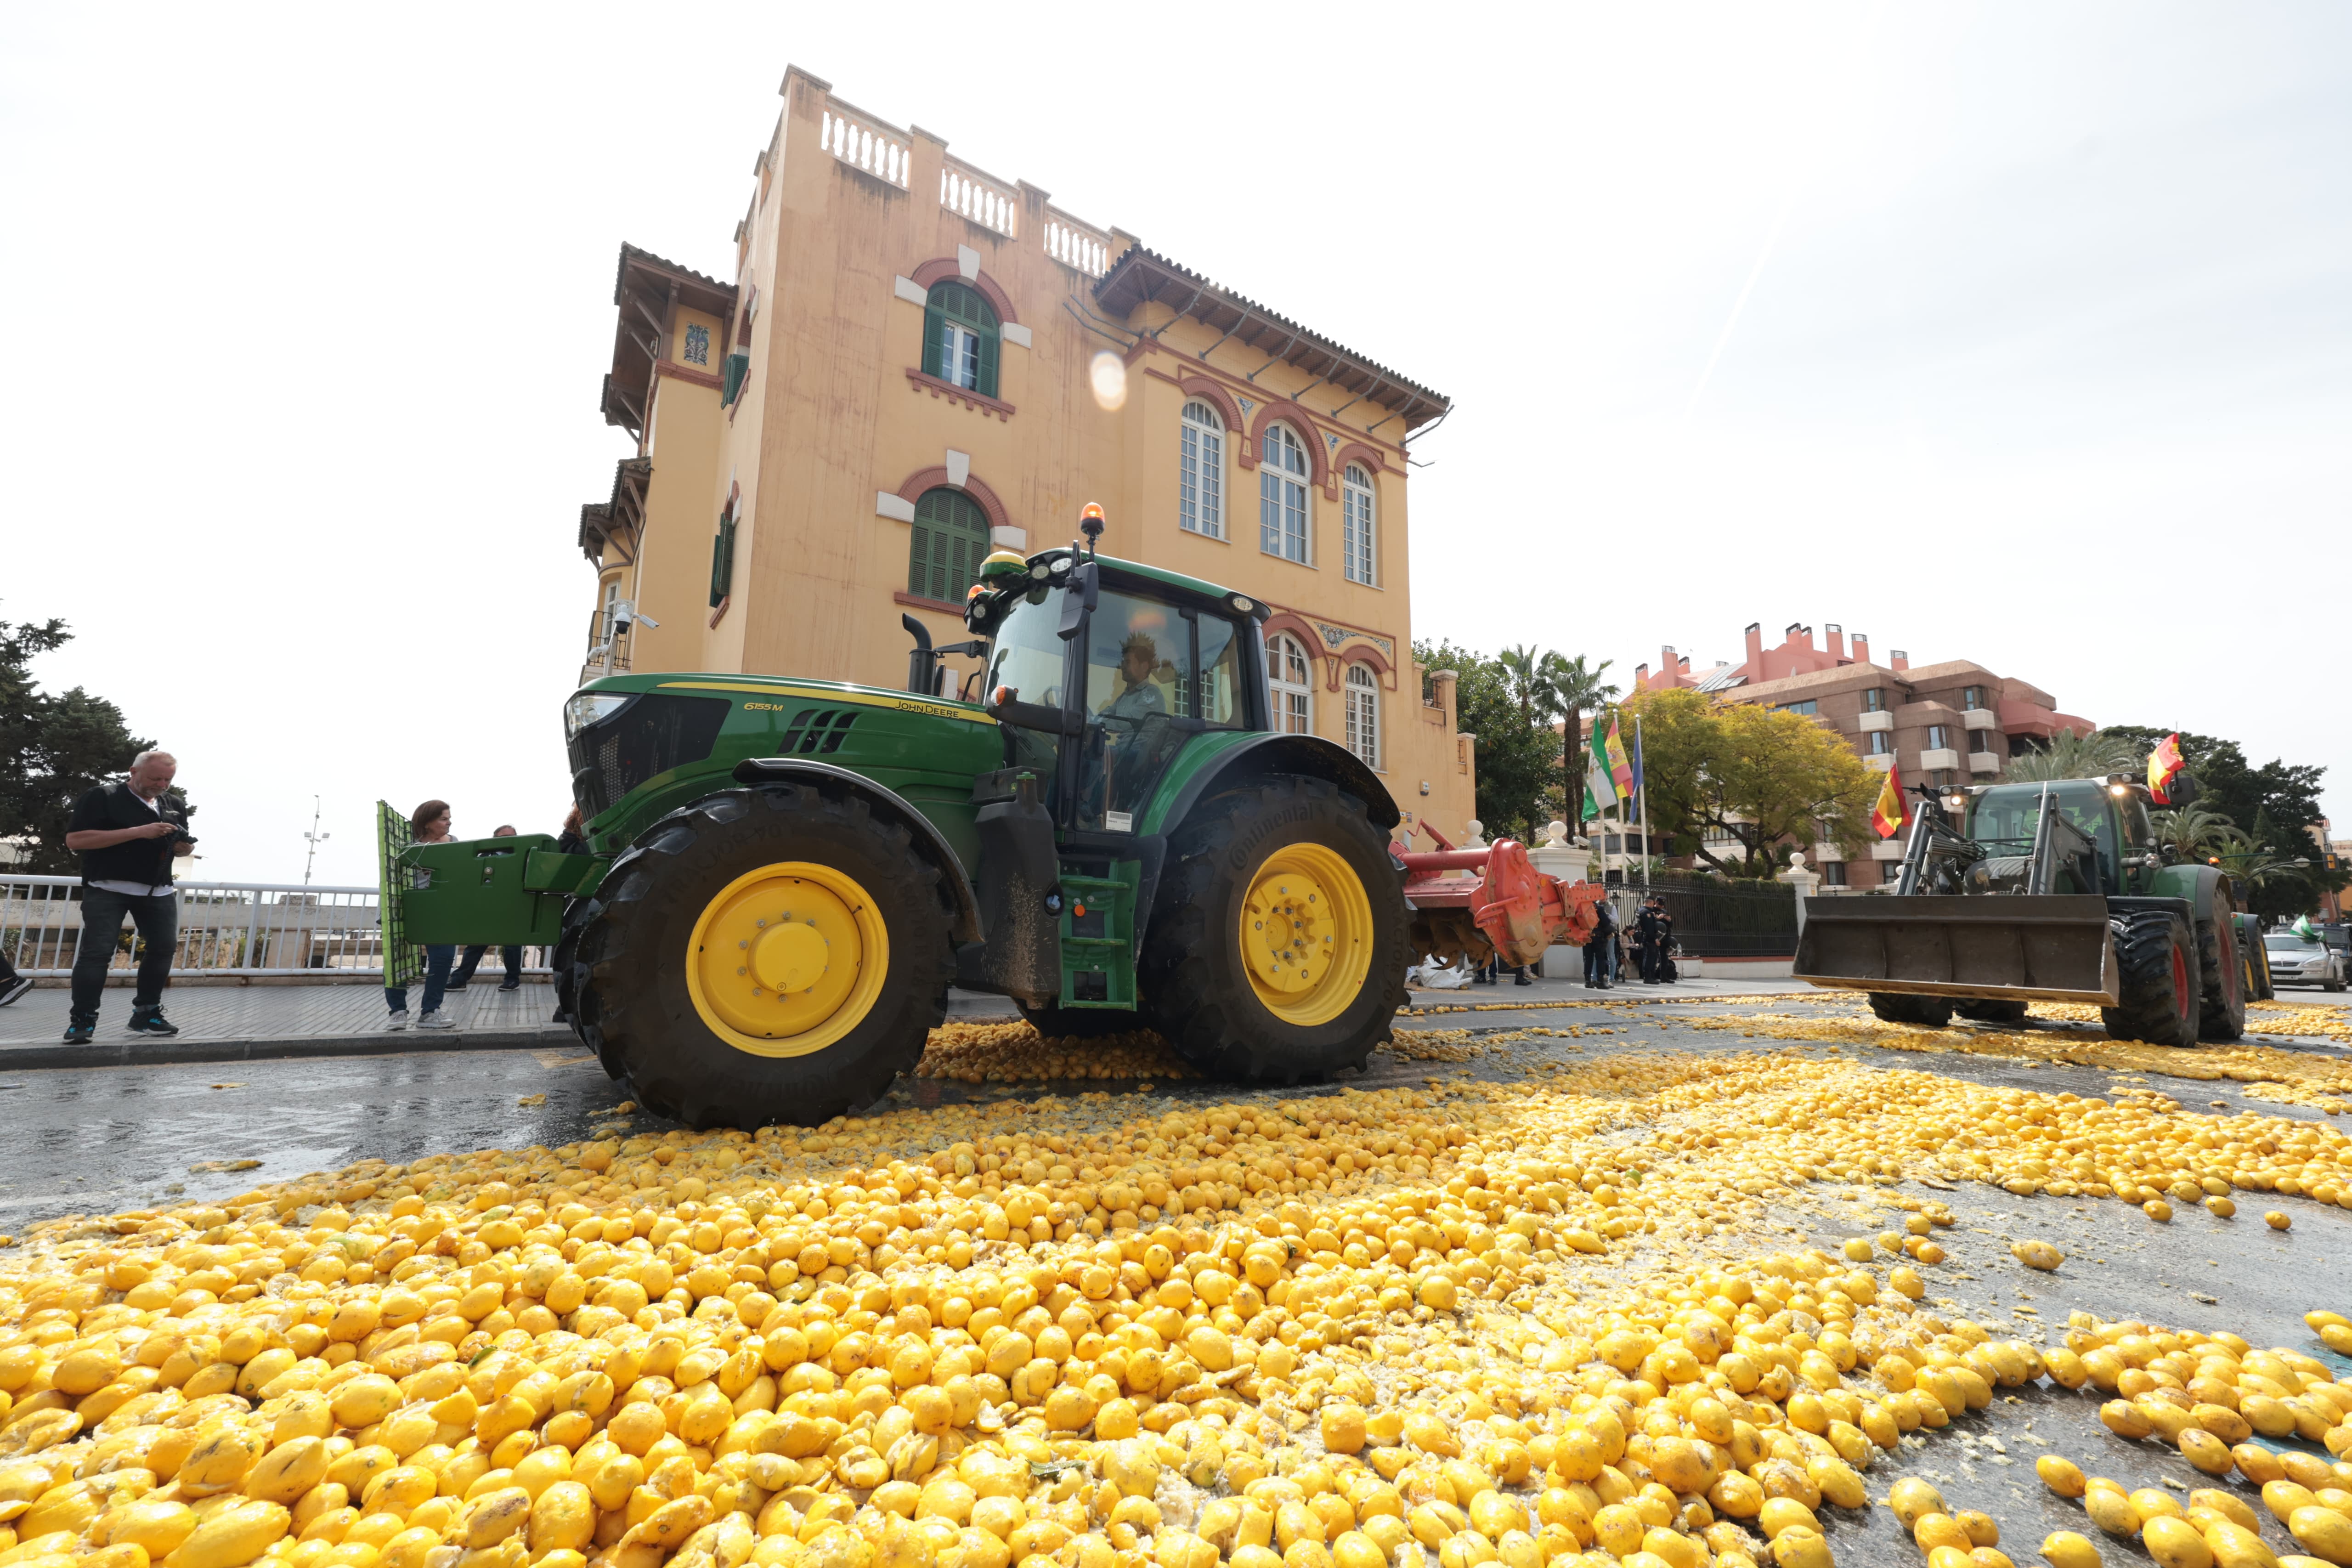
x: 1366, y: 1330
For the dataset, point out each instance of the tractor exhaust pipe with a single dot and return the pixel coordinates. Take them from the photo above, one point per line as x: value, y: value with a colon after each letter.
x: 920, y: 666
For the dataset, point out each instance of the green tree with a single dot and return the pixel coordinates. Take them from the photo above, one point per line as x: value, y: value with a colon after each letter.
x: 1575, y: 688
x: 2193, y: 833
x: 1517, y: 758
x: 52, y: 748
x: 2072, y: 756
x: 1765, y: 778
x: 2275, y: 807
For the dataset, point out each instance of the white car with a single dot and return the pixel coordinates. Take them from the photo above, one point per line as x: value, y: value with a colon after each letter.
x: 2300, y: 960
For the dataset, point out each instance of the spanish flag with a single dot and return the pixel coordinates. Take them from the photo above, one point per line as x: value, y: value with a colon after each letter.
x: 1889, y: 816
x: 2163, y: 764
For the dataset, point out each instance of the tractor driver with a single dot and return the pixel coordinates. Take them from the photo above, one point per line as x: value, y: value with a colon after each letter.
x: 1141, y: 697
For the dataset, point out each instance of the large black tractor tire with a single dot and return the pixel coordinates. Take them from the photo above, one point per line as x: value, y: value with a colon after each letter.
x: 1897, y: 1008
x: 563, y: 964
x: 2163, y: 992
x: 638, y: 1003
x: 1992, y: 1012
x: 1218, y: 924
x: 1080, y: 1023
x: 2224, y: 1013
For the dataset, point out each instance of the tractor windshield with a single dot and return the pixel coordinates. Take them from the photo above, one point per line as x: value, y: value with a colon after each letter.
x: 2002, y: 818
x: 1027, y: 661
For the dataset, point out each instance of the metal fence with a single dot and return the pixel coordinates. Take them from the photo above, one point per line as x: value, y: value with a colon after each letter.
x: 225, y: 929
x: 1718, y: 918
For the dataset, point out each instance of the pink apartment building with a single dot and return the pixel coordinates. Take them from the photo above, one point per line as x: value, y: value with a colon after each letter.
x: 1952, y: 723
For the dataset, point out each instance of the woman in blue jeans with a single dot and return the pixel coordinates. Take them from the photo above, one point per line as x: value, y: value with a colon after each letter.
x: 431, y: 825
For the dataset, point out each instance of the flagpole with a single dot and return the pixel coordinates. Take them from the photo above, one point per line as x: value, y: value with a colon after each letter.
x: 1642, y: 782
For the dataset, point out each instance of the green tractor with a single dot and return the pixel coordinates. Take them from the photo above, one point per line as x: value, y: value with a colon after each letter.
x: 784, y: 877
x: 2058, y: 891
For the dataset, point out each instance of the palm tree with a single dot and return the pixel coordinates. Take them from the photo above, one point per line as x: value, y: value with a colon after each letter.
x: 1570, y: 688
x: 2072, y: 757
x: 1524, y: 666
x: 2193, y: 833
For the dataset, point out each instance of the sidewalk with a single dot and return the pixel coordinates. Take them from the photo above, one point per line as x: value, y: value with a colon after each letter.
x: 1540, y: 991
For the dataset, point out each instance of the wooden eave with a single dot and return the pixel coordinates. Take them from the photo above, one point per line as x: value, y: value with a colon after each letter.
x: 646, y: 289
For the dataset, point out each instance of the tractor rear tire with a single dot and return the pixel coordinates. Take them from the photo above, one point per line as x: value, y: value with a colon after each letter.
x: 1080, y: 1023
x: 2224, y: 1017
x: 1214, y: 927
x: 1992, y: 1012
x: 665, y: 1010
x: 2163, y: 992
x: 1899, y: 1007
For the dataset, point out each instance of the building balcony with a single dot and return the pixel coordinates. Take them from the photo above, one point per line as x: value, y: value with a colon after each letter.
x: 1978, y: 719
x: 1940, y: 757
x: 1887, y: 849
x: 1984, y: 761
x: 1879, y: 764
x: 1882, y: 719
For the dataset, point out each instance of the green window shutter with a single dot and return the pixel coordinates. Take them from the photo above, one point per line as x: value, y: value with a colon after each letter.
x: 949, y: 541
x: 965, y: 307
x: 739, y: 365
x: 987, y: 387
x: 934, y: 328
x: 722, y: 562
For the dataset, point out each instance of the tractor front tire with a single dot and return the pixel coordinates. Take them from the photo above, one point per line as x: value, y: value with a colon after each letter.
x: 1898, y: 1008
x: 765, y: 956
x: 563, y: 964
x: 1277, y: 951
x: 1992, y: 1012
x: 2224, y: 1014
x: 2163, y: 992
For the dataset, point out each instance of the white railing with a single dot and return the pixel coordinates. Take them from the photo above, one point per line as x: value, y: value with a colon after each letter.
x: 864, y: 143
x: 225, y: 929
x: 1076, y: 246
x: 986, y: 201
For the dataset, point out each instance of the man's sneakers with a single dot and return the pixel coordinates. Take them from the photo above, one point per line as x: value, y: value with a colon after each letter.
x: 1523, y: 980
x: 150, y: 1021
x: 437, y: 1020
x: 504, y: 985
x: 459, y: 983
x: 15, y: 988
x: 398, y: 1020
x: 80, y: 1034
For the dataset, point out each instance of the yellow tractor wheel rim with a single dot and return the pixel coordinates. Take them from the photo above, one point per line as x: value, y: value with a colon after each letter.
x: 787, y: 959
x: 1306, y: 934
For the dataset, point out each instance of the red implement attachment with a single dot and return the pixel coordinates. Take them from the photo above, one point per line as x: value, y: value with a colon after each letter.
x: 1508, y: 909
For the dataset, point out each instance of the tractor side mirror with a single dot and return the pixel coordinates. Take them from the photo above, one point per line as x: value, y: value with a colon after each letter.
x: 1084, y: 584
x: 2183, y: 789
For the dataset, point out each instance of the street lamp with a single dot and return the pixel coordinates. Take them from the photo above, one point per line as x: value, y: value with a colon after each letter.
x: 316, y: 838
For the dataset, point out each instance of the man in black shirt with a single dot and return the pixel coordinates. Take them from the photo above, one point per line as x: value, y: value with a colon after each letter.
x: 127, y: 834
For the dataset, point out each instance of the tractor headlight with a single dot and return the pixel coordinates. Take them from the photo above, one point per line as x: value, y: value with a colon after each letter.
x: 588, y: 707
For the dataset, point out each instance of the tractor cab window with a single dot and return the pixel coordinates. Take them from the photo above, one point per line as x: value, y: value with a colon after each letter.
x: 1139, y: 681
x: 2003, y: 820
x: 1025, y: 663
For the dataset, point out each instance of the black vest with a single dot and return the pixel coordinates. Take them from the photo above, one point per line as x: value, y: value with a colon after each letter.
x: 142, y: 861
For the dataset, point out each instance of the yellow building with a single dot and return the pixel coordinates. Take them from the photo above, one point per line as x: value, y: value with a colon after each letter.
x: 918, y: 361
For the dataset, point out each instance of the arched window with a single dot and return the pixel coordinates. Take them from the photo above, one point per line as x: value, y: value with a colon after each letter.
x: 960, y: 338
x: 1290, y: 680
x: 1356, y: 524
x: 1201, y: 471
x: 1282, y: 473
x: 1363, y: 694
x: 950, y: 540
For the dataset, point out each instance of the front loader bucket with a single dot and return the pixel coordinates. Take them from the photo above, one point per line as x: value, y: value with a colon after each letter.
x: 2053, y: 948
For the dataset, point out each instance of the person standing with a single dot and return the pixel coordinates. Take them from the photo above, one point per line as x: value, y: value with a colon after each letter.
x: 431, y: 825
x: 510, y: 957
x: 12, y: 984
x: 127, y: 834
x: 1650, y: 940
x: 1600, y: 946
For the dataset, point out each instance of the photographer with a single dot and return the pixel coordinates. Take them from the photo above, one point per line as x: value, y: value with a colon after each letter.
x: 127, y: 834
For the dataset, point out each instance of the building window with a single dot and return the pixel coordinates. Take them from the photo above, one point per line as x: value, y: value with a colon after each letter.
x: 1363, y: 695
x: 1282, y: 474
x: 1290, y: 680
x: 722, y: 558
x: 1201, y: 471
x: 1833, y: 874
x: 960, y: 338
x: 697, y: 344
x: 1938, y: 737
x: 1874, y: 700
x: 1882, y: 744
x: 606, y: 616
x: 950, y: 540
x: 1810, y: 705
x: 1973, y: 699
x: 1356, y: 524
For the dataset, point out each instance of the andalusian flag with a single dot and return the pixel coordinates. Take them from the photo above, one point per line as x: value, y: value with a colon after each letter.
x: 1599, y: 779
x: 1888, y: 816
x: 2163, y: 764
x: 1621, y: 769
x: 2302, y: 928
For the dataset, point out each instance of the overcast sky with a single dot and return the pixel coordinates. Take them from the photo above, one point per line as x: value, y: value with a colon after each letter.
x: 2018, y: 333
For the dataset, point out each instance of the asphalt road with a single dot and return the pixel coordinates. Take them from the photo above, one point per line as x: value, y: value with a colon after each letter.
x: 98, y: 1141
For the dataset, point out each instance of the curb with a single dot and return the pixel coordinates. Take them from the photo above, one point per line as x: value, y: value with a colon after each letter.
x: 384, y: 1043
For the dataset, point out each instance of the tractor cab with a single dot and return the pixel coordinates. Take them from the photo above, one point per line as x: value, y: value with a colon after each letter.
x: 1101, y: 671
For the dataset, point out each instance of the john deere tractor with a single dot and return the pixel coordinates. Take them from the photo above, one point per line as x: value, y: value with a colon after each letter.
x: 2059, y: 891
x: 784, y: 877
